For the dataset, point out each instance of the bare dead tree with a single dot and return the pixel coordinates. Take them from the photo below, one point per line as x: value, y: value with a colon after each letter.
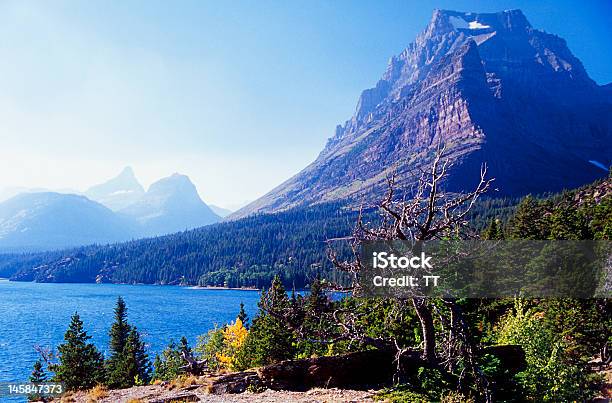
x: 193, y: 367
x: 47, y: 354
x: 425, y: 212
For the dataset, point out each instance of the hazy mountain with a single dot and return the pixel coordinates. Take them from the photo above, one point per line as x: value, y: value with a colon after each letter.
x: 8, y: 192
x: 49, y: 220
x: 171, y: 204
x: 491, y: 88
x: 38, y: 221
x: 119, y: 192
x: 12, y: 191
x: 220, y: 211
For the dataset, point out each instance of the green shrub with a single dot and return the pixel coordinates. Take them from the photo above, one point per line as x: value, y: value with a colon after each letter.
x: 550, y: 376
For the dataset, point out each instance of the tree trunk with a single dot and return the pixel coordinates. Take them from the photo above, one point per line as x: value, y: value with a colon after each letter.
x: 427, y: 329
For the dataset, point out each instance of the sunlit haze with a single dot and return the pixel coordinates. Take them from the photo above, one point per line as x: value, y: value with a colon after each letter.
x: 238, y: 96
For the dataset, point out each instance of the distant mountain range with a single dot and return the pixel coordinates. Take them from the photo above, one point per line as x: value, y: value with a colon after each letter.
x: 492, y: 89
x: 114, y: 211
x: 47, y: 220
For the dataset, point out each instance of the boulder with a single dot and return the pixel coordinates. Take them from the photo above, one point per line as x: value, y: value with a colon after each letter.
x: 360, y: 370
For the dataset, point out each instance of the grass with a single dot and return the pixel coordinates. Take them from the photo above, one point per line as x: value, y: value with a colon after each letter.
x: 404, y: 394
x: 97, y: 393
x: 401, y: 395
x: 67, y: 398
x: 183, y: 381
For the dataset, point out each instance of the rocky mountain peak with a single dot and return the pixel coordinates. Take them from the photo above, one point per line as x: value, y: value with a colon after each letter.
x: 492, y: 88
x: 510, y: 49
x: 118, y: 192
x: 174, y: 184
x: 128, y: 174
x: 171, y: 204
x: 508, y: 21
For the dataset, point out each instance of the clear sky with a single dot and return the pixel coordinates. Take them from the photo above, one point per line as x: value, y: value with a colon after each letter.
x: 238, y: 95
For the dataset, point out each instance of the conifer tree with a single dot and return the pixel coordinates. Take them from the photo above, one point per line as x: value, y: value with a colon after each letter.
x: 115, y: 376
x: 317, y: 302
x: 316, y: 319
x: 184, y: 346
x: 135, y: 367
x: 269, y: 339
x: 525, y: 223
x: 120, y: 329
x: 243, y: 316
x: 493, y: 231
x: 38, y: 375
x: 157, y: 366
x: 275, y: 300
x: 80, y: 363
x: 168, y: 365
x: 129, y: 363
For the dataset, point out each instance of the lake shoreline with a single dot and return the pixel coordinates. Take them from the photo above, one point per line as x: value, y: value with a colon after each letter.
x: 212, y: 287
x: 39, y: 314
x: 189, y: 286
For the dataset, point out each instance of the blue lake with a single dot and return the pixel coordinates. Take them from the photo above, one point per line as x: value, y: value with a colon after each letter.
x: 38, y: 314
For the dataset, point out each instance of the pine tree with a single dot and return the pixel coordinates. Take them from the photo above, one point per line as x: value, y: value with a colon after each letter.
x: 115, y: 376
x: 276, y: 300
x: 317, y: 302
x: 129, y: 363
x: 316, y: 323
x: 168, y: 366
x: 135, y: 366
x: 38, y: 376
x: 80, y: 363
x: 493, y: 231
x: 269, y: 339
x: 526, y: 221
x: 38, y: 373
x: 184, y: 346
x: 120, y: 329
x: 157, y: 367
x: 243, y: 316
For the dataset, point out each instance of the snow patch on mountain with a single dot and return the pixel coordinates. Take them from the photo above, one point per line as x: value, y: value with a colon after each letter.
x: 599, y: 165
x: 477, y: 25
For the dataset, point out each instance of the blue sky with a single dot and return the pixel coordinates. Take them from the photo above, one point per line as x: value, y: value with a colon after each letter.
x: 238, y: 95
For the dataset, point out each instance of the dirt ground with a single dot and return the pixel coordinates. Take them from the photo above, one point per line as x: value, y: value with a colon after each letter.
x: 161, y: 394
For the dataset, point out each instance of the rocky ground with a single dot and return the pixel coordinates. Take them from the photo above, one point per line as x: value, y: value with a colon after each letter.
x: 199, y: 393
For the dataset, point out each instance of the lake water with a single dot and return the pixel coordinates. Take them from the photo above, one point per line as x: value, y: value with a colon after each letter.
x: 38, y: 314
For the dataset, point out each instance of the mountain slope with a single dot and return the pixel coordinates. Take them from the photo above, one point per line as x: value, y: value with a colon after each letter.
x: 220, y: 211
x: 248, y: 252
x: 171, y: 204
x: 36, y: 221
x: 492, y: 89
x: 118, y: 192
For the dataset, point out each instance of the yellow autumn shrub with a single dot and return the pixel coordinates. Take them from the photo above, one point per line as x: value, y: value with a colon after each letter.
x: 234, y: 335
